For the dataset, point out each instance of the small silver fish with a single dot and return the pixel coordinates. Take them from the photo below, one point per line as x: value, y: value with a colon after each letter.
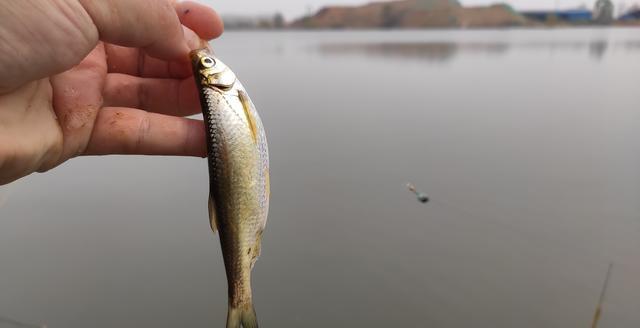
x: 238, y: 177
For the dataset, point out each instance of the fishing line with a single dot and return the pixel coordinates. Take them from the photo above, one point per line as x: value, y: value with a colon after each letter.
x: 457, y: 208
x: 601, y: 300
x: 501, y: 222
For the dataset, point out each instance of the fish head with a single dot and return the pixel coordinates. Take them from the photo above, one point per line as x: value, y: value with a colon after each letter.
x: 211, y: 71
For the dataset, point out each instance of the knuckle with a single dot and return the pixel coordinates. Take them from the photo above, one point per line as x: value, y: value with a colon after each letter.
x: 143, y: 95
x: 142, y: 133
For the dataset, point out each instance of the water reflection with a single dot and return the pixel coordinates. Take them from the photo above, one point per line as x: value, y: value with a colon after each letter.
x: 529, y: 150
x: 632, y: 45
x: 597, y: 49
x: 429, y: 51
x: 438, y: 51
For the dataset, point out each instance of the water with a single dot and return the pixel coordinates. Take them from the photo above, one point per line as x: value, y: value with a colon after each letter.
x: 527, y: 142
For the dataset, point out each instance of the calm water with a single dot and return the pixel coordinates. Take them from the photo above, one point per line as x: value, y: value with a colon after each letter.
x: 528, y: 142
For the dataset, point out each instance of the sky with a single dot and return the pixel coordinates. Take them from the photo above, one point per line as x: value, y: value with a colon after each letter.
x: 295, y: 8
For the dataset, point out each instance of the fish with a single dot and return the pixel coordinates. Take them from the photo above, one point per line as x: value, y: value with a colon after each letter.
x: 239, y: 186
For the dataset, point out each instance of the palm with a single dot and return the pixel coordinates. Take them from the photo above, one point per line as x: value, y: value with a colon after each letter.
x: 100, y: 107
x: 76, y: 99
x: 114, y: 100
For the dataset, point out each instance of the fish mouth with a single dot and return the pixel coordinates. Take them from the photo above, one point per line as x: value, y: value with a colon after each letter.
x: 223, y: 81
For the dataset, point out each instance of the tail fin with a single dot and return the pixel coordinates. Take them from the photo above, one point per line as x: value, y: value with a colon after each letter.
x: 245, y: 316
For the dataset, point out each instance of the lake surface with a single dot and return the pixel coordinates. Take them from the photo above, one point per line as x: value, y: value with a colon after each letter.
x: 528, y: 142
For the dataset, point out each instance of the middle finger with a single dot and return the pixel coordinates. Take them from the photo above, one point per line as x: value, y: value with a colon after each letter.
x: 177, y: 97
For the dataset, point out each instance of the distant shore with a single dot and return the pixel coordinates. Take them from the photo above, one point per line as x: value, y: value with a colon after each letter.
x: 432, y: 14
x: 526, y: 27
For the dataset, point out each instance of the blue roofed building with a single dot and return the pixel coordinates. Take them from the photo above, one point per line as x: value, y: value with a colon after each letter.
x: 631, y: 15
x: 570, y: 16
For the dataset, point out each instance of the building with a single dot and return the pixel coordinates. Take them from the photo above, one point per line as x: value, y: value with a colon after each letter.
x: 570, y: 16
x: 631, y: 15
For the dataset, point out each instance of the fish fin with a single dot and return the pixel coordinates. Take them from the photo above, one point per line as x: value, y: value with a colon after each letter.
x: 245, y: 318
x: 251, y: 120
x: 212, y: 215
x: 257, y: 249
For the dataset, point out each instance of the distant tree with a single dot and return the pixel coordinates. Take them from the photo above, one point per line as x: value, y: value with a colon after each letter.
x: 278, y: 21
x: 603, y: 12
x: 307, y: 21
x: 389, y: 18
x: 264, y: 24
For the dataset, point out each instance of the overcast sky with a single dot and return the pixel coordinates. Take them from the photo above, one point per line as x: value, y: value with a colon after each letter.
x: 294, y: 8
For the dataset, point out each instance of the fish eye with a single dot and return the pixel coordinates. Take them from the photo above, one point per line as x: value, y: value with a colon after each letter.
x: 207, y: 62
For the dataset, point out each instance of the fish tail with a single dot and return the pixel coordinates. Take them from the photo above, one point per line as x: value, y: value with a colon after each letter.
x: 244, y: 317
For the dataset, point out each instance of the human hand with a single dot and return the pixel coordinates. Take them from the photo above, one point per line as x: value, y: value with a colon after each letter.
x: 85, y: 77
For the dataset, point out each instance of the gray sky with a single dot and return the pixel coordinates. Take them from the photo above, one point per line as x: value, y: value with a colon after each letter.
x: 294, y: 8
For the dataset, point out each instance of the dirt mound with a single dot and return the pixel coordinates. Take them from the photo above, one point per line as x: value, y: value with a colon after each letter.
x: 411, y: 14
x: 492, y: 16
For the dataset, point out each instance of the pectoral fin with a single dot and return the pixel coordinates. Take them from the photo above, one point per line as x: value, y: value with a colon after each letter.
x: 212, y: 215
x: 251, y: 120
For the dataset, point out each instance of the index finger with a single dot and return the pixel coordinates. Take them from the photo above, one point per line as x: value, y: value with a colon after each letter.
x: 149, y: 24
x: 200, y: 23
